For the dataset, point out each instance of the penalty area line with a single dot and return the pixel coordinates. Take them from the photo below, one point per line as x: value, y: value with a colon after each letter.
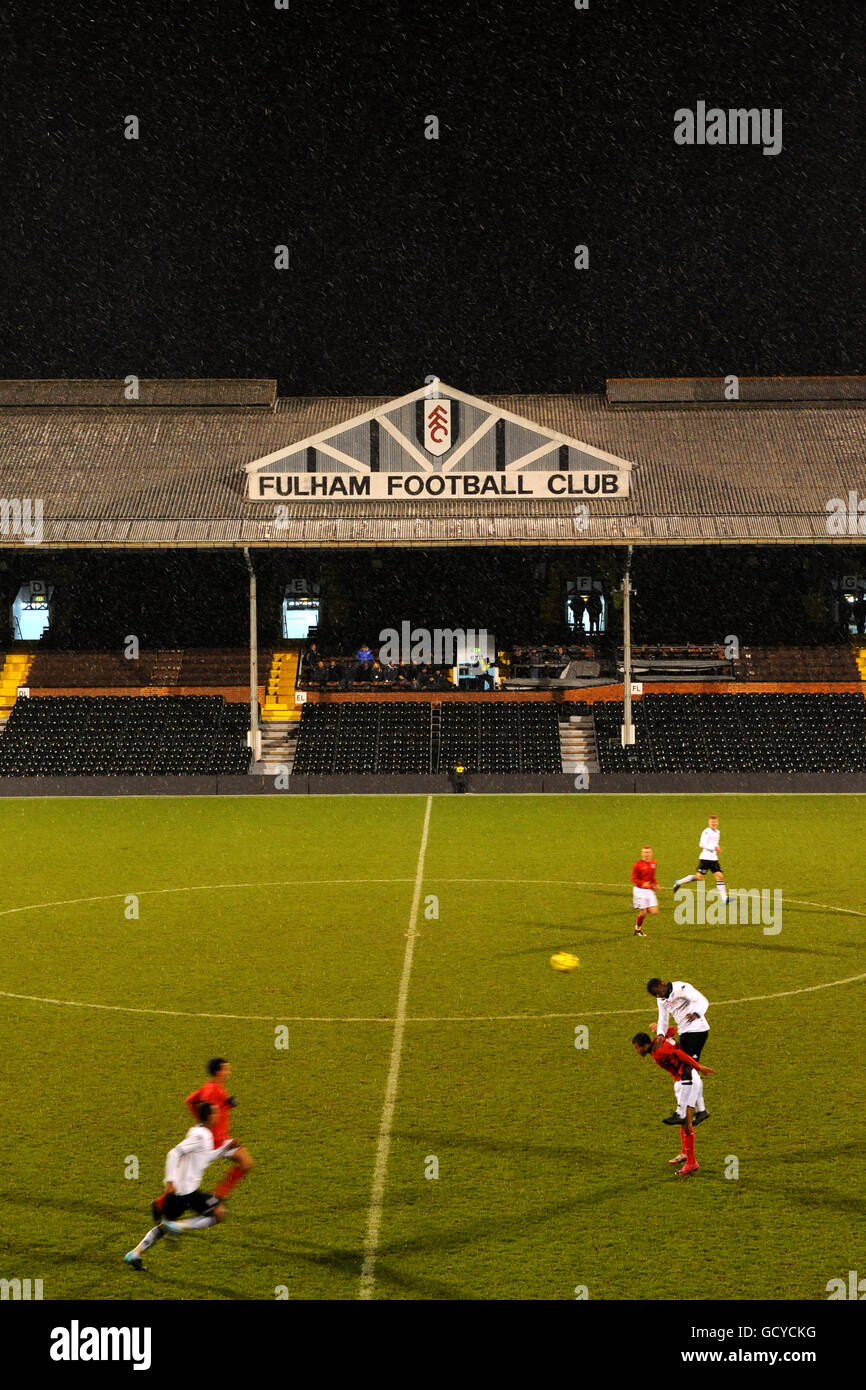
x: 383, y: 1147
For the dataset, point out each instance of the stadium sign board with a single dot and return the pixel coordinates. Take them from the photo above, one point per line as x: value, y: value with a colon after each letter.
x: 438, y: 443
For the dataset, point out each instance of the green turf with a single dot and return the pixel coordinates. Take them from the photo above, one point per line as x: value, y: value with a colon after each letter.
x: 552, y: 1159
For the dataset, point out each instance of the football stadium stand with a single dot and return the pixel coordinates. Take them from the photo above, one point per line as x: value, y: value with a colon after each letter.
x: 788, y: 733
x: 102, y: 736
x: 207, y: 514
x: 506, y: 737
x: 419, y: 737
x: 367, y: 738
x: 796, y: 664
x: 185, y: 669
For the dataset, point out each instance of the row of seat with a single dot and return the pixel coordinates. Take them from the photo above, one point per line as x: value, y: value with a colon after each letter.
x: 500, y: 738
x: 112, y: 670
x: 736, y: 733
x: 400, y: 736
x: 364, y: 738
x: 796, y: 664
x: 125, y: 736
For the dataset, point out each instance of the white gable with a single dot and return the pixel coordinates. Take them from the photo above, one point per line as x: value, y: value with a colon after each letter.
x: 438, y: 442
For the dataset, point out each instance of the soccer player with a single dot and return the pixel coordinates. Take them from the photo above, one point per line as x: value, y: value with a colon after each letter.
x: 214, y: 1093
x: 708, y: 862
x: 643, y: 898
x: 678, y: 1064
x: 686, y: 1006
x: 184, y: 1166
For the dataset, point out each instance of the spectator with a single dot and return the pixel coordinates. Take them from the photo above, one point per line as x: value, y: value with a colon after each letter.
x: 364, y: 662
x: 558, y: 663
x: 484, y: 679
x: 593, y: 608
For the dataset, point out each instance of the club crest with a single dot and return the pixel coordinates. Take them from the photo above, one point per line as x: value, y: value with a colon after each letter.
x: 437, y: 426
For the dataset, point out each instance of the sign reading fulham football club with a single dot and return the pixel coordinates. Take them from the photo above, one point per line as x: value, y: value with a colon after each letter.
x: 437, y: 443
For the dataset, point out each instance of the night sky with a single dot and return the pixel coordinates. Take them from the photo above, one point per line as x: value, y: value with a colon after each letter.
x: 305, y: 127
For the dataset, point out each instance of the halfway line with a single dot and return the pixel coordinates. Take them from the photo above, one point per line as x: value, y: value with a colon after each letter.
x: 374, y: 1216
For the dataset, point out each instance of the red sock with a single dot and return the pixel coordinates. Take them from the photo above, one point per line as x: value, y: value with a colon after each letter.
x: 640, y: 917
x: 159, y: 1201
x: 683, y: 1139
x: 689, y: 1144
x: 230, y: 1181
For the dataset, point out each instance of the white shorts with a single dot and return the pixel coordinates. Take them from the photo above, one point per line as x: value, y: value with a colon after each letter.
x: 686, y: 1094
x: 642, y: 898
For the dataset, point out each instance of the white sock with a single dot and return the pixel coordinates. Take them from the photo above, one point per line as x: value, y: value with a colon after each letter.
x: 722, y: 891
x: 689, y: 1093
x: 689, y: 878
x: 197, y: 1223
x: 154, y: 1234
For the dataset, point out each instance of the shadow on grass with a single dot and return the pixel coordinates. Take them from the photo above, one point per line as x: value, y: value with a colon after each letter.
x: 349, y: 1263
x: 567, y: 935
x: 580, y: 1155
x: 770, y: 943
x: 811, y: 1197
x: 491, y: 1225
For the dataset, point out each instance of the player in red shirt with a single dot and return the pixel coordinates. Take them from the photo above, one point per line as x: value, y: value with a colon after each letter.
x: 643, y: 877
x: 676, y: 1063
x: 215, y: 1093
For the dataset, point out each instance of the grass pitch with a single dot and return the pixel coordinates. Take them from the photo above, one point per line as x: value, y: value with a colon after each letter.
x: 552, y: 1161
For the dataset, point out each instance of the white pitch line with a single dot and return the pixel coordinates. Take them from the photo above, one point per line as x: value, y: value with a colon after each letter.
x: 324, y: 882
x: 412, y: 1018
x: 383, y: 1147
x: 199, y: 888
x: 168, y: 1013
x: 364, y: 1018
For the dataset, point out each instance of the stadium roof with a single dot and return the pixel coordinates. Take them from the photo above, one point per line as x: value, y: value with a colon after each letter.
x: 173, y: 468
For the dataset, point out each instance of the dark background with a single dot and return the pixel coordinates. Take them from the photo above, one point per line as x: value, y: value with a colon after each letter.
x: 200, y: 598
x: 408, y: 256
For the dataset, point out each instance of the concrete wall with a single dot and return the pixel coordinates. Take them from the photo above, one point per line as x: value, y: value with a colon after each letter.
x: 694, y: 783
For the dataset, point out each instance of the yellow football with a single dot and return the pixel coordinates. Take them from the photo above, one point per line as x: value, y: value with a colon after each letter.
x: 564, y: 960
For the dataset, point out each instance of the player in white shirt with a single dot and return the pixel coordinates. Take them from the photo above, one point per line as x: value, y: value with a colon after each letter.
x: 683, y: 1007
x: 184, y: 1167
x: 708, y: 863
